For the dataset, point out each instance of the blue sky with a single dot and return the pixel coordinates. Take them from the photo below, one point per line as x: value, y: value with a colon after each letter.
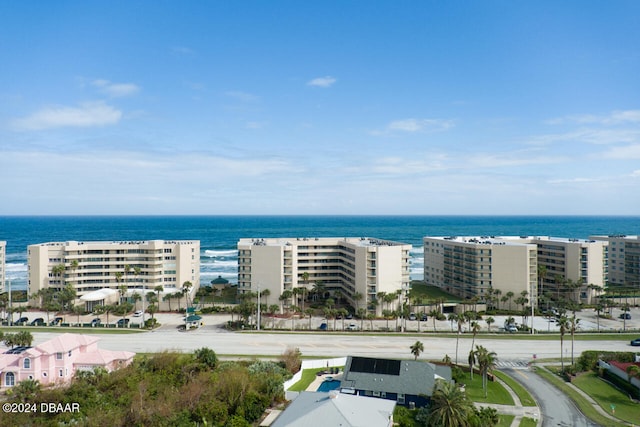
x: 309, y: 107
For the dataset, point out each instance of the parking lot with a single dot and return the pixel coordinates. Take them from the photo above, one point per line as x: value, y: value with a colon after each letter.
x: 588, y: 321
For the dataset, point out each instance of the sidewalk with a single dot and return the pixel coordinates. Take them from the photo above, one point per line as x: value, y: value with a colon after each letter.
x: 516, y: 409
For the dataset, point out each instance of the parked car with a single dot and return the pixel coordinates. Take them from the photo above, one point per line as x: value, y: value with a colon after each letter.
x: 350, y: 316
x: 96, y: 322
x: 22, y: 321
x: 511, y: 328
x: 352, y: 327
x: 636, y: 342
x: 626, y: 316
x: 37, y: 322
x: 122, y: 323
x: 138, y: 313
x: 412, y: 316
x: 56, y: 321
x: 424, y: 317
x: 323, y: 326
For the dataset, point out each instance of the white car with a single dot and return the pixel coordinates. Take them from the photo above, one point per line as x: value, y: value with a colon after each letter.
x: 137, y: 313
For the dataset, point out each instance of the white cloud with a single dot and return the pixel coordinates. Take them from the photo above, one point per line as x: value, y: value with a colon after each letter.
x: 326, y: 81
x: 414, y: 125
x: 88, y: 114
x: 627, y: 152
x: 635, y: 173
x: 115, y: 90
x: 613, y: 118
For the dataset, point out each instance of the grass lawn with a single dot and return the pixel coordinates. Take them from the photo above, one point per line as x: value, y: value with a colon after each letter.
x: 308, y: 375
x: 585, y: 406
x: 606, y: 395
x: 505, y: 420
x: 431, y: 293
x: 528, y: 422
x: 496, y: 393
x: 520, y: 391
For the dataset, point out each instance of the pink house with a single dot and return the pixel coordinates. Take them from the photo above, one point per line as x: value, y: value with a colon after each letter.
x: 57, y: 360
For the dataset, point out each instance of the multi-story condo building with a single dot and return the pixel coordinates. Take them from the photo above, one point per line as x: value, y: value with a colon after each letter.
x: 359, y: 268
x: 468, y: 266
x: 472, y: 266
x: 575, y: 269
x: 95, y: 266
x: 624, y: 260
x: 3, y: 252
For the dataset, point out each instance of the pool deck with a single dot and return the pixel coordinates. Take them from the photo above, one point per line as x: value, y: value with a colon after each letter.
x: 321, y: 378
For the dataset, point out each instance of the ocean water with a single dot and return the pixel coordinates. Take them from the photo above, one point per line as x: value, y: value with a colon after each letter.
x: 219, y: 235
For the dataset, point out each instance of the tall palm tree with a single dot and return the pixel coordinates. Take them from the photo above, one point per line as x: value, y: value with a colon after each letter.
x: 460, y: 321
x: 416, y: 349
x: 542, y: 273
x: 497, y: 293
x: 450, y: 406
x: 563, y: 323
x: 435, y: 314
x: 486, y: 361
x: 573, y: 324
x: 509, y: 295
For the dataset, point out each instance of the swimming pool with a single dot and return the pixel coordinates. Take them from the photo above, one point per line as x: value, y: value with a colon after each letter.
x: 329, y: 385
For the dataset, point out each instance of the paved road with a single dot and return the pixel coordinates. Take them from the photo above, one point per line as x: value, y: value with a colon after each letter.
x: 335, y: 345
x: 557, y: 409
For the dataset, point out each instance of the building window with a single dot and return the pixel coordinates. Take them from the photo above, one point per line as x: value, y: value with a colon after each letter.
x: 58, y: 356
x: 26, y: 363
x: 9, y: 379
x: 60, y: 373
x: 44, y: 374
x: 69, y: 353
x: 401, y: 398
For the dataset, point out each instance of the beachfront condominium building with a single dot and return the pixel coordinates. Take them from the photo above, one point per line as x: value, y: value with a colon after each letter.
x: 471, y: 267
x: 571, y: 269
x: 624, y: 261
x: 356, y: 269
x: 96, y: 267
x: 574, y: 269
x: 3, y: 252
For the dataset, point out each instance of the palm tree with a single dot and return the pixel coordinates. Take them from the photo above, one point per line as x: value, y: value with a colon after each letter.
x: 486, y: 362
x: 387, y: 315
x: 599, y: 308
x: 435, y: 314
x: 542, y: 272
x: 357, y: 296
x: 497, y: 293
x: 136, y: 297
x: 362, y: 313
x: 158, y: 289
x: 450, y: 406
x: 573, y: 323
x: 509, y: 295
x: 416, y: 349
x: 186, y: 289
x: 309, y: 312
x: 460, y: 321
x: 489, y: 321
x: 563, y: 323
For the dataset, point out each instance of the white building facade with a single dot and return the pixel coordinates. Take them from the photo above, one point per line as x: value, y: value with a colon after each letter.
x: 140, y: 266
x: 357, y: 268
